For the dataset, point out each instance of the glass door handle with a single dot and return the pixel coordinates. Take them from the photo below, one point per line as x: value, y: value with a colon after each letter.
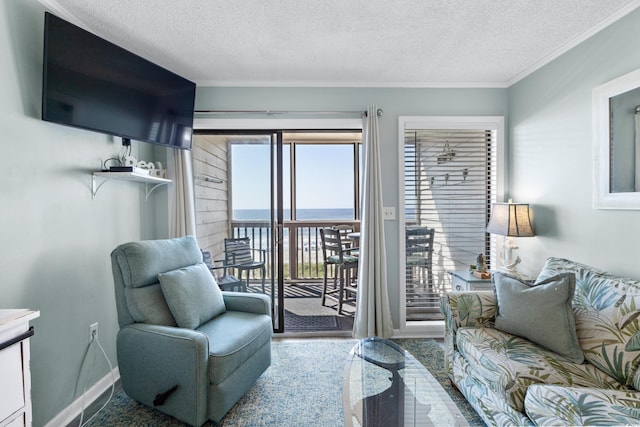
x: 279, y: 233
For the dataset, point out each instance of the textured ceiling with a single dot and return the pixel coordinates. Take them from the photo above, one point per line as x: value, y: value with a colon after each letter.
x: 394, y: 43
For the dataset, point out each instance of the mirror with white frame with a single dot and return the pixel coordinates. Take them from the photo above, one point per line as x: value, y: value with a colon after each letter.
x: 616, y: 133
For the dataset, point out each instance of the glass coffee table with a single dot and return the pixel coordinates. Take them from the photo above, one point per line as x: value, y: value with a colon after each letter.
x: 384, y: 385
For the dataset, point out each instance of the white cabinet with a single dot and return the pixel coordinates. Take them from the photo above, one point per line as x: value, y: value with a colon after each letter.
x: 465, y: 281
x: 15, y: 375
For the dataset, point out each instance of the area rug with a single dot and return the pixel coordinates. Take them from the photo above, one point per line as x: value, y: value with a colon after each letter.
x: 295, y: 323
x: 303, y: 387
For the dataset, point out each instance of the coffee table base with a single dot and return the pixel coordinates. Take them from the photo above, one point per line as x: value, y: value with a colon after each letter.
x: 384, y: 385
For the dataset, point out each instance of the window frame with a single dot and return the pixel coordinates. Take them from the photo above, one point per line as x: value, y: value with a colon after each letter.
x: 435, y: 328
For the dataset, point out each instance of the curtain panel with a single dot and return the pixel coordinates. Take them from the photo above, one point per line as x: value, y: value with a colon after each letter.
x: 181, y: 196
x: 373, y: 315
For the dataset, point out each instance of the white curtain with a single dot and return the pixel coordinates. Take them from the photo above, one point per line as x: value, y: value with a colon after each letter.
x: 182, y: 201
x: 373, y: 316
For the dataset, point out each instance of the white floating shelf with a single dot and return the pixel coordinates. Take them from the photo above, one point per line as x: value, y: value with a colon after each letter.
x: 127, y: 176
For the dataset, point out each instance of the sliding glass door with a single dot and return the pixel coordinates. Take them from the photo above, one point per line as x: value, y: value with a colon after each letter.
x: 279, y: 189
x: 252, y: 163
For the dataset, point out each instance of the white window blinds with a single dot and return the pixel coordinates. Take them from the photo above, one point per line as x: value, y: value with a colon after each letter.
x: 450, y: 183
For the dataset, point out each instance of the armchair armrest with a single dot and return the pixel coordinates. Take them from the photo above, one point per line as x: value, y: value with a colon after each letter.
x: 261, y: 253
x: 249, y: 303
x: 219, y: 264
x: 464, y: 309
x: 153, y: 359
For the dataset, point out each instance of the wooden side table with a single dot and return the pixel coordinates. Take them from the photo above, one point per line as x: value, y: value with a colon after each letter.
x: 463, y: 280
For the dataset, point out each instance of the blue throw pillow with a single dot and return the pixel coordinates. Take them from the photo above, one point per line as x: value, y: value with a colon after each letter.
x: 192, y: 295
x: 540, y: 312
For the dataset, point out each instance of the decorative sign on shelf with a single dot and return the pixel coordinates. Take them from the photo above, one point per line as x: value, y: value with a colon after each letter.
x: 155, y: 169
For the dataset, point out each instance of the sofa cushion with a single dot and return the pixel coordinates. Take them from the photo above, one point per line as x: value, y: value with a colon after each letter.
x: 607, y: 310
x: 491, y: 406
x: 234, y: 337
x: 541, y: 313
x: 509, y: 364
x: 192, y: 295
x: 553, y: 405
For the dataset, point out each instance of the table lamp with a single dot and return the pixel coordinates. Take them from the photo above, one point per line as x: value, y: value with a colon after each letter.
x: 510, y: 220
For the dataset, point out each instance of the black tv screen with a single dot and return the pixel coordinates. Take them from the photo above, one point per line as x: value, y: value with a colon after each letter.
x: 93, y: 84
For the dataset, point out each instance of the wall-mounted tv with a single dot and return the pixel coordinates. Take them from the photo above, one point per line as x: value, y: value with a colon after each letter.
x: 93, y: 84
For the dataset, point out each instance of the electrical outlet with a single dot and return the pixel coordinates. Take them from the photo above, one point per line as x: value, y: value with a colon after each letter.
x: 93, y: 331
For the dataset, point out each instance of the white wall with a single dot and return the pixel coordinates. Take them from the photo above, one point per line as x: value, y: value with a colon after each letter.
x: 55, y: 239
x: 550, y: 161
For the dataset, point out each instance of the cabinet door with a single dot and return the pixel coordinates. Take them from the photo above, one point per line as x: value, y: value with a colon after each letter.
x: 458, y: 284
x: 11, y: 381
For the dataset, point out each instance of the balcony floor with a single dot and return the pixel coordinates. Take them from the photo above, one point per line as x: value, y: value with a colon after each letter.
x: 305, y: 314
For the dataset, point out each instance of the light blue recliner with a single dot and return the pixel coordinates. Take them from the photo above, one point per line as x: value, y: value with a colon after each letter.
x: 184, y: 347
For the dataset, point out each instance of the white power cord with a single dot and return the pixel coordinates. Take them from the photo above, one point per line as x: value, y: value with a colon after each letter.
x: 95, y: 339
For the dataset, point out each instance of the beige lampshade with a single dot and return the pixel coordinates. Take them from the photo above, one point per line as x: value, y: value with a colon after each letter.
x: 510, y: 219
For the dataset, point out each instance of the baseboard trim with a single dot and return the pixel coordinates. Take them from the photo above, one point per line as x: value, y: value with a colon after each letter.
x: 72, y: 411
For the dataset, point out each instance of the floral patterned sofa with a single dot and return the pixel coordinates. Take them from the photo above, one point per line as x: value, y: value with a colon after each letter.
x: 591, y: 377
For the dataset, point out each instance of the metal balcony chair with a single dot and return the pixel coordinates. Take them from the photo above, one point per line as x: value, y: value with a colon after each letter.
x: 419, y: 254
x: 239, y: 255
x: 334, y: 252
x: 226, y: 282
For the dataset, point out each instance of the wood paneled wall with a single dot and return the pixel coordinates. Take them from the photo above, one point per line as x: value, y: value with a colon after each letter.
x: 210, y: 159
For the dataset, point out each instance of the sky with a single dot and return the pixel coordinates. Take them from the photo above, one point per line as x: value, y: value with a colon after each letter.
x: 324, y: 176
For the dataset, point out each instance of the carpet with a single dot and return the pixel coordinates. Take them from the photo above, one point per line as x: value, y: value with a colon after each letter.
x: 303, y: 387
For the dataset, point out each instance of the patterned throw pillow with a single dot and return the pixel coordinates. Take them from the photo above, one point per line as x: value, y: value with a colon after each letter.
x: 541, y: 312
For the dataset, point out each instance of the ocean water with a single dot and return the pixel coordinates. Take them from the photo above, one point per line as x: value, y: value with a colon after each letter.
x: 301, y: 214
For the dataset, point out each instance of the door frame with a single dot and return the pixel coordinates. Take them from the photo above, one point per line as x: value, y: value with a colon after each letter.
x: 435, y: 328
x: 271, y: 127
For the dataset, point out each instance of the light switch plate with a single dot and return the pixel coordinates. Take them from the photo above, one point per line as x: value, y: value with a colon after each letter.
x: 389, y: 213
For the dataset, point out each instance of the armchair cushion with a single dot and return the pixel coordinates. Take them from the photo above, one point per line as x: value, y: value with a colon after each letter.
x: 192, y: 295
x: 234, y: 337
x: 541, y: 313
x: 148, y: 305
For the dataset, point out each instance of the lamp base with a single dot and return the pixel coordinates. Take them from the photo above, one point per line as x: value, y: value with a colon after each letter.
x: 510, y: 268
x: 509, y: 264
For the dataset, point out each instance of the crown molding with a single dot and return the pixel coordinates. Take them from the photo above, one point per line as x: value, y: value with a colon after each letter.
x: 340, y: 84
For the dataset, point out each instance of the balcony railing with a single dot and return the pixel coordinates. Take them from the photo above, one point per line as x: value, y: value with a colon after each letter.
x: 303, y: 261
x: 301, y: 242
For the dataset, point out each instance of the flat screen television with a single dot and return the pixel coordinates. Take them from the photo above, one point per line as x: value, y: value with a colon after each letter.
x: 93, y: 84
